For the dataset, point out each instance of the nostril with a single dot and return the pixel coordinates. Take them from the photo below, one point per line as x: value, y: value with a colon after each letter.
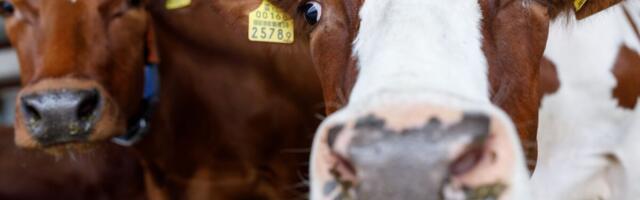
x: 30, y: 110
x: 344, y: 176
x: 467, y: 162
x: 344, y: 172
x: 88, y: 105
x: 345, y: 165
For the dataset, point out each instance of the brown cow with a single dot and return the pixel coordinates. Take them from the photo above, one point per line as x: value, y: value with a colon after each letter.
x: 244, y: 121
x: 227, y: 126
x: 108, y: 172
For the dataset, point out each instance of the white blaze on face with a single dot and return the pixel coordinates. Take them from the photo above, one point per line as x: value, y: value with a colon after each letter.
x: 584, y: 152
x: 418, y: 53
x: 410, y: 47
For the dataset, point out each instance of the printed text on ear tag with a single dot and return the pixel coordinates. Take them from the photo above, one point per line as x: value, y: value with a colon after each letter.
x: 176, y: 4
x: 578, y: 4
x: 269, y: 23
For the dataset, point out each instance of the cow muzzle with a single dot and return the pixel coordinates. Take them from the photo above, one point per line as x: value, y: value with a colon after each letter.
x: 417, y: 152
x: 61, y: 115
x: 58, y: 112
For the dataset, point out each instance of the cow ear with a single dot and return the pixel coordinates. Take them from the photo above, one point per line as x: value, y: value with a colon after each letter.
x: 586, y: 8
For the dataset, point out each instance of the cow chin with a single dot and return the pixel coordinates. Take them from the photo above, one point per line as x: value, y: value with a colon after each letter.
x: 61, y: 114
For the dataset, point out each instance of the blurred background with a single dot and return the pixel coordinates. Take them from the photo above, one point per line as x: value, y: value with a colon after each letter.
x: 9, y: 81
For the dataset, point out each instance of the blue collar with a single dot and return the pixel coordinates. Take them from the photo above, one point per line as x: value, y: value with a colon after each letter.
x: 138, y: 125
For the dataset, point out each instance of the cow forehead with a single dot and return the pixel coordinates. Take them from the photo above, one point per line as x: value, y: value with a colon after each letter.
x: 421, y: 45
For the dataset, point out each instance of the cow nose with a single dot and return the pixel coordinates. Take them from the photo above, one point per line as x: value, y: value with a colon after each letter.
x: 404, y: 155
x: 60, y: 116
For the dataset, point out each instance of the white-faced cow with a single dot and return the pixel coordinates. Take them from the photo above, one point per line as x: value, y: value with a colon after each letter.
x: 587, y: 144
x: 435, y: 90
x: 428, y: 84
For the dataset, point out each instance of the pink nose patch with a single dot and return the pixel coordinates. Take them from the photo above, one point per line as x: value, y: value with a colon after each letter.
x: 378, y: 157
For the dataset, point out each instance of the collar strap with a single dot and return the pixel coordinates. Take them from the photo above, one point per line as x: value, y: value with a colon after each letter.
x: 138, y: 125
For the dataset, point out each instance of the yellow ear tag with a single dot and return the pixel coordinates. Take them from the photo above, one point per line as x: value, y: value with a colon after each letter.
x: 578, y: 4
x: 176, y: 4
x: 269, y: 23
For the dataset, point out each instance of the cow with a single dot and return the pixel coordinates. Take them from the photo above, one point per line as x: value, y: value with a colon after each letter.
x: 407, y: 73
x: 420, y: 69
x: 212, y: 124
x: 586, y: 137
x: 431, y: 87
x: 107, y: 172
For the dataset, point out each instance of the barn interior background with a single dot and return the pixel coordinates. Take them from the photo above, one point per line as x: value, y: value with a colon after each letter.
x: 8, y: 78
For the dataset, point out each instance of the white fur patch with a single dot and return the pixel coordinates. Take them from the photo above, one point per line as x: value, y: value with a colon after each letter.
x: 420, y: 52
x: 581, y: 127
x: 420, y: 46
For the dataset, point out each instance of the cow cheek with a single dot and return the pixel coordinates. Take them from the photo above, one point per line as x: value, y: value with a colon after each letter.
x: 331, y: 52
x: 26, y: 48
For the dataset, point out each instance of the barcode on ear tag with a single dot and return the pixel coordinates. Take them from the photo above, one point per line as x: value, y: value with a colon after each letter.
x: 269, y: 23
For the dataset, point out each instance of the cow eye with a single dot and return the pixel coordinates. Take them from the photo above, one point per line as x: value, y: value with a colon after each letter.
x: 312, y: 12
x: 7, y: 8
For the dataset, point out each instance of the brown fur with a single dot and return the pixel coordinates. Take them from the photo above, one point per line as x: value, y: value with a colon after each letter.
x: 235, y: 119
x: 106, y: 172
x: 627, y: 70
x: 514, y: 41
x: 549, y: 81
x: 60, y: 46
x: 329, y: 44
x: 81, y: 45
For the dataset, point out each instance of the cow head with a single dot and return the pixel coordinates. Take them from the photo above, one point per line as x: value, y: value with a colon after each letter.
x: 437, y: 93
x: 81, y: 65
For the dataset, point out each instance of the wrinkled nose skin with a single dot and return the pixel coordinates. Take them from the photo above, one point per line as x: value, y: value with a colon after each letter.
x: 413, y: 163
x: 61, y: 116
x: 415, y: 153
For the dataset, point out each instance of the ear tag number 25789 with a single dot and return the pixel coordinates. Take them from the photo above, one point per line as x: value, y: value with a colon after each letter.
x: 269, y: 23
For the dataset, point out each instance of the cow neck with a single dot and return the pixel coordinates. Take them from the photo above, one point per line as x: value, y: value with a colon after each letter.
x: 229, y: 111
x: 138, y: 125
